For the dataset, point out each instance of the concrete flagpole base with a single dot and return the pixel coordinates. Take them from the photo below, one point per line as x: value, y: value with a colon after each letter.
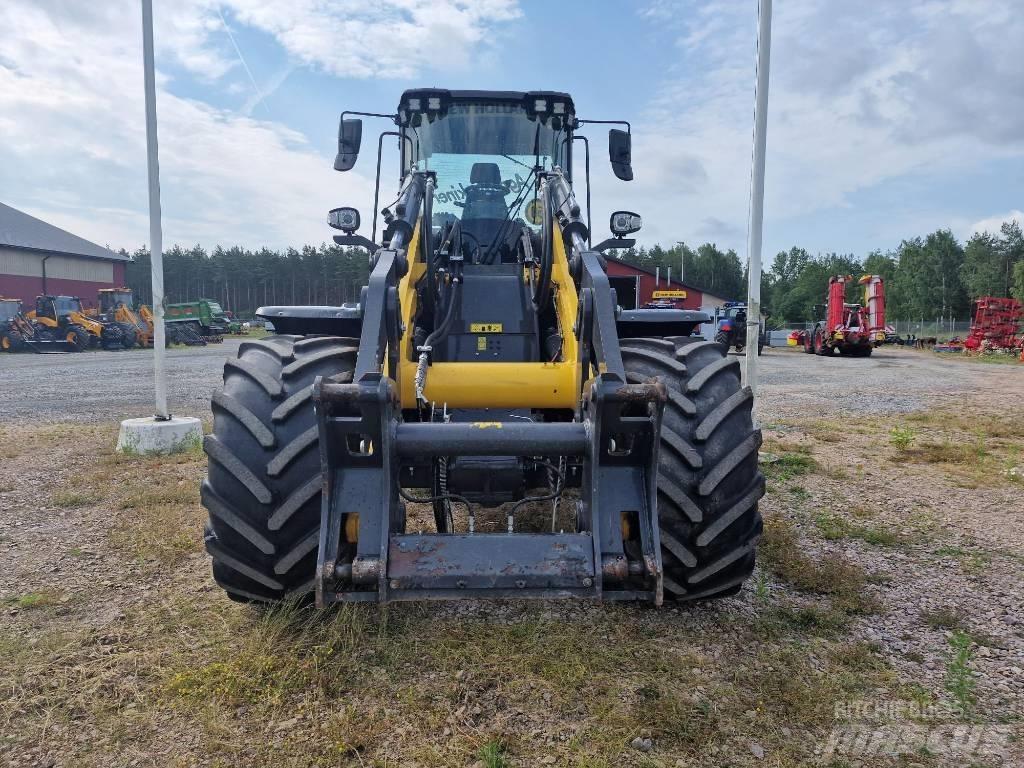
x: 149, y: 435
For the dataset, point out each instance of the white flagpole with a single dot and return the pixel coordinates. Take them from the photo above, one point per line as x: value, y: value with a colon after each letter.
x: 155, y: 232
x: 764, y: 43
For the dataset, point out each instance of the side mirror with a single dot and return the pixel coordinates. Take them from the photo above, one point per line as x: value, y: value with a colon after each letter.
x: 620, y: 152
x: 624, y: 223
x: 350, y: 136
x: 345, y: 219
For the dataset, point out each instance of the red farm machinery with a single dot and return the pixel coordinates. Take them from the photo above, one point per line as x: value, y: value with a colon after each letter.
x: 853, y: 329
x: 995, y: 325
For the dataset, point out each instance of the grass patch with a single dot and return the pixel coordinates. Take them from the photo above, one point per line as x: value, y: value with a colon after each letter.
x: 30, y: 600
x: 811, y: 620
x: 785, y: 461
x: 73, y: 499
x: 942, y: 618
x: 971, y: 561
x: 832, y: 574
x: 162, y: 520
x: 834, y: 527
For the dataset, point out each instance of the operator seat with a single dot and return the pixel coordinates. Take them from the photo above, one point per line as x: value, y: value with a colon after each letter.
x: 485, y: 212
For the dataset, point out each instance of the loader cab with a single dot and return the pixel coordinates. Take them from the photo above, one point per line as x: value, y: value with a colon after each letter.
x: 488, y: 151
x: 57, y: 307
x: 112, y: 298
x: 9, y: 309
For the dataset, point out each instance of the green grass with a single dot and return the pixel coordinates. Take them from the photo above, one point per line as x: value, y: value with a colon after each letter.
x: 492, y: 755
x: 834, y: 575
x: 788, y: 464
x: 972, y: 561
x: 834, y: 527
x: 960, y: 681
x: 30, y: 600
x: 902, y: 437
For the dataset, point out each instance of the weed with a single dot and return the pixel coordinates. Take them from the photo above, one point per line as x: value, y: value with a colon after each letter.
x: 761, y: 587
x: 493, y: 755
x: 902, y: 437
x: 942, y: 618
x: 72, y: 499
x: 959, y: 678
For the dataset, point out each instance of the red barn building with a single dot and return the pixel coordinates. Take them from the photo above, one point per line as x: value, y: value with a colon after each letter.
x: 39, y: 258
x: 635, y: 286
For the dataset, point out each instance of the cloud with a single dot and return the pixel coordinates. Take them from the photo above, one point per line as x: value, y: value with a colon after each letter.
x: 72, y: 119
x: 992, y: 224
x: 861, y: 93
x: 387, y: 38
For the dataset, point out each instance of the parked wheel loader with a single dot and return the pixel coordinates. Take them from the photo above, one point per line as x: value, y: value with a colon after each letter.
x: 485, y: 372
x: 64, y: 318
x: 116, y: 306
x: 19, y: 334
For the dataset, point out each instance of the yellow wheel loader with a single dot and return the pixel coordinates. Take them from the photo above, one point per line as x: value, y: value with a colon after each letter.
x: 116, y: 306
x: 19, y: 334
x: 486, y: 371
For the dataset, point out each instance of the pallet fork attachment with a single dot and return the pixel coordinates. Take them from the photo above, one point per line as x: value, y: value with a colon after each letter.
x: 364, y: 556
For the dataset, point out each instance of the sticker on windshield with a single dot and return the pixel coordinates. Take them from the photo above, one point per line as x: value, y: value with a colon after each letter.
x: 535, y: 211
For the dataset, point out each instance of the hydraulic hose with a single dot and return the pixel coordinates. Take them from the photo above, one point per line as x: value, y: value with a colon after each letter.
x: 543, y: 291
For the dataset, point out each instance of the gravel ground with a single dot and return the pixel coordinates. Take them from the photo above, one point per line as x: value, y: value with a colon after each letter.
x: 103, y: 384
x: 119, y: 384
x: 953, y: 565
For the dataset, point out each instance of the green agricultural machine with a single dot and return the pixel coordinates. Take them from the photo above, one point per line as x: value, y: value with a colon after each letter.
x: 203, y: 318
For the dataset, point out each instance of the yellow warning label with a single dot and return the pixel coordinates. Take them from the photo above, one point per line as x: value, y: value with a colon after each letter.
x: 487, y: 424
x: 485, y: 327
x: 668, y: 295
x: 481, y: 343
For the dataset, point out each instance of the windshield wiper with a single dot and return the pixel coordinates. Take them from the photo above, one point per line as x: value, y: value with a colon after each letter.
x: 517, y: 162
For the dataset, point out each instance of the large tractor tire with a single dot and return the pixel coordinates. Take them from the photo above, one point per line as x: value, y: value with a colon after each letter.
x: 820, y: 347
x: 11, y: 341
x: 723, y: 339
x: 708, y: 479
x: 262, y: 490
x: 78, y: 338
x: 129, y: 335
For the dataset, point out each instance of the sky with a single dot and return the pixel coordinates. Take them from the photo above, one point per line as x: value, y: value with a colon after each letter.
x: 887, y: 120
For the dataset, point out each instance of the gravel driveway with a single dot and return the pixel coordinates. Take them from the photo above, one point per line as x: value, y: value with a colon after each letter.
x: 99, y: 385
x: 95, y: 386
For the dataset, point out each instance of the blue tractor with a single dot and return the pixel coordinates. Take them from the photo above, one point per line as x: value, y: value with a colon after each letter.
x: 731, y: 327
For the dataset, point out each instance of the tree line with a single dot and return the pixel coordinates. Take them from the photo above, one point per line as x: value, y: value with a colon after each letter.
x: 926, y: 278
x: 241, y: 280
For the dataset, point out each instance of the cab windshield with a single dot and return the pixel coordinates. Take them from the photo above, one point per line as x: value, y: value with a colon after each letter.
x: 8, y: 309
x: 65, y: 305
x: 110, y: 299
x: 485, y: 155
